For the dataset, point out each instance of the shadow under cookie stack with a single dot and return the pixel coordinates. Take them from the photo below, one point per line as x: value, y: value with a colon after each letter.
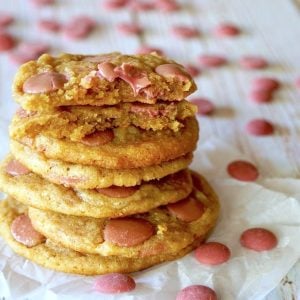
x: 97, y: 177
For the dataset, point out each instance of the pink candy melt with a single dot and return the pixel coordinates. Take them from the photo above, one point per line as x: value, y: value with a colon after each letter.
x: 259, y: 127
x: 205, y: 106
x: 226, y: 30
x: 196, y: 292
x: 260, y: 96
x: 106, y: 70
x: 28, y: 51
x: 129, y: 28
x: 142, y: 5
x: 44, y: 83
x: 185, y: 32
x: 167, y: 5
x: 7, y: 42
x: 137, y: 78
x: 128, y: 232
x: 6, y: 20
x: 134, y: 76
x: 253, y: 62
x: 242, y: 170
x: 115, y: 4
x: 173, y: 71
x: 265, y: 83
x: 211, y: 61
x: 79, y: 27
x: 114, y: 283
x: 15, y: 168
x: 212, y: 253
x: 49, y: 25
x: 24, y: 233
x: 258, y: 239
x: 42, y: 2
x: 187, y: 210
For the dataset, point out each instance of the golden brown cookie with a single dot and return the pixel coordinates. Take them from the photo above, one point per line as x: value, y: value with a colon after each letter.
x: 165, y: 229
x: 54, y: 256
x: 90, y: 177
x: 32, y: 190
x: 98, y: 80
x: 76, y: 122
x: 121, y: 148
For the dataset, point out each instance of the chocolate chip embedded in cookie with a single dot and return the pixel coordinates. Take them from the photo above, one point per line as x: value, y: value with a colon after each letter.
x: 128, y: 148
x: 99, y: 80
x: 54, y: 256
x: 92, y: 177
x: 32, y: 190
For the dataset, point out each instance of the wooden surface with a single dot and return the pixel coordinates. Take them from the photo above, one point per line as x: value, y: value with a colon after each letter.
x: 271, y: 28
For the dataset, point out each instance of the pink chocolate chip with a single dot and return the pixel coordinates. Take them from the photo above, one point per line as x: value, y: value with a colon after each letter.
x: 5, y: 19
x: 260, y: 96
x: 129, y: 28
x: 265, y: 83
x: 197, y: 292
x: 137, y: 78
x: 114, y: 283
x: 24, y: 233
x: 28, y: 51
x: 185, y: 32
x: 44, y: 83
x: 192, y: 70
x: 212, y: 253
x: 128, y: 232
x: 147, y: 50
x: 115, y: 4
x: 297, y: 83
x: 204, y: 105
x: 39, y: 3
x: 187, y: 210
x: 173, y: 71
x: 142, y: 5
x: 49, y: 25
x: 106, y: 70
x: 167, y: 5
x: 258, y: 239
x: 253, y: 62
x: 15, y: 168
x: 211, y: 61
x: 79, y: 27
x: 242, y: 170
x: 7, y: 42
x: 259, y: 127
x: 226, y: 30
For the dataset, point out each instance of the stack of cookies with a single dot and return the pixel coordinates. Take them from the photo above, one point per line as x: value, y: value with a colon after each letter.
x: 97, y: 178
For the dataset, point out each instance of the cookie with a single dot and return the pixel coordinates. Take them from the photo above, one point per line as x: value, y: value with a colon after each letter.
x: 30, y: 189
x: 76, y: 122
x: 163, y: 229
x: 90, y: 177
x: 98, y: 80
x: 54, y: 256
x: 166, y: 229
x: 121, y: 148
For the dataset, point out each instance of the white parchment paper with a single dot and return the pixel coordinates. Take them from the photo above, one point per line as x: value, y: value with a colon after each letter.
x: 270, y: 203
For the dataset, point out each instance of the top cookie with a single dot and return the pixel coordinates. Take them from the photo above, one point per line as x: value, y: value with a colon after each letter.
x: 98, y: 80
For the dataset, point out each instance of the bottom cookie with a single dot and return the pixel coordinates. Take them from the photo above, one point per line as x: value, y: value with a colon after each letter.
x: 54, y: 256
